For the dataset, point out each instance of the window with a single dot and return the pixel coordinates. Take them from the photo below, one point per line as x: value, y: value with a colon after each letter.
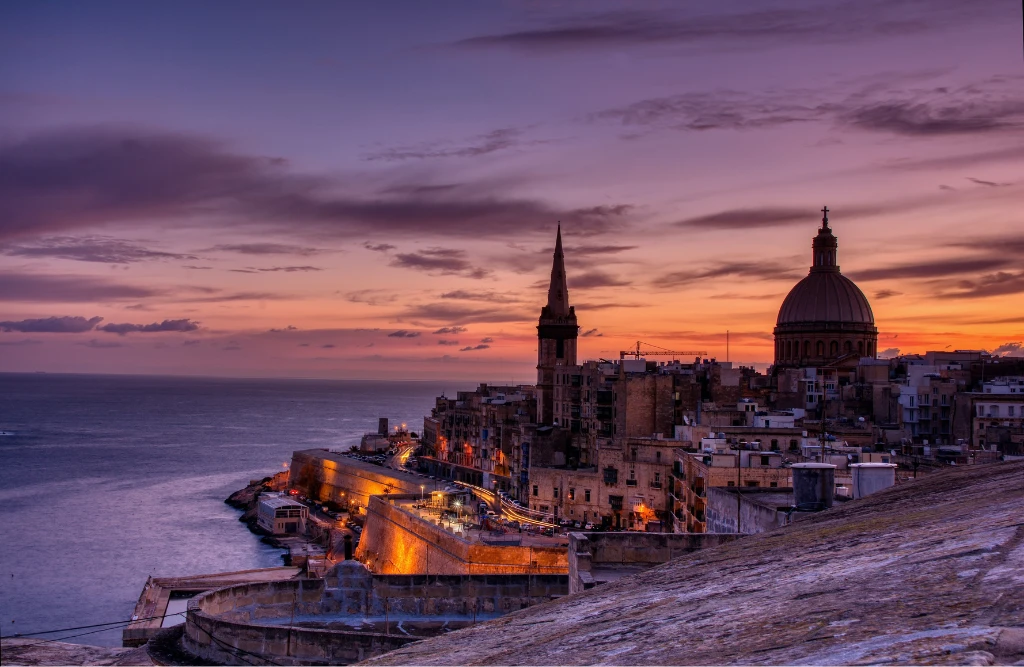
x: 534, y: 489
x: 773, y: 484
x: 730, y: 483
x: 751, y: 482
x: 766, y: 460
x: 657, y: 478
x: 572, y: 494
x: 632, y: 473
x: 657, y: 455
x: 1009, y: 411
x: 554, y: 492
x: 586, y: 495
x: 981, y: 410
x: 775, y: 445
x: 912, y: 400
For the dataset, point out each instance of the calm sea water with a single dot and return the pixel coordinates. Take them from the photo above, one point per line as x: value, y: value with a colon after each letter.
x: 105, y: 480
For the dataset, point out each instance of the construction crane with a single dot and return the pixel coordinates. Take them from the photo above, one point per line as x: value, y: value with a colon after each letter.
x: 638, y: 353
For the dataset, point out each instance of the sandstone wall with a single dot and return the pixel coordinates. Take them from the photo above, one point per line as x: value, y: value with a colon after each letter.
x: 395, y: 542
x: 221, y: 627
x: 246, y: 624
x: 322, y: 475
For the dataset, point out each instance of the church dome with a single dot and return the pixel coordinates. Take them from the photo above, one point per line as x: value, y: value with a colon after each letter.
x: 825, y: 318
x: 825, y: 296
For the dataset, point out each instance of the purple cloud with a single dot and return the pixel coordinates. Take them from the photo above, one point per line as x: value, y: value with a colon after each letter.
x: 184, y: 325
x: 91, y: 249
x: 86, y: 177
x: 402, y: 333
x: 64, y: 324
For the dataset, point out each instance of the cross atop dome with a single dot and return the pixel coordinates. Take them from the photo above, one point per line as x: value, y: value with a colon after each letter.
x: 824, y: 217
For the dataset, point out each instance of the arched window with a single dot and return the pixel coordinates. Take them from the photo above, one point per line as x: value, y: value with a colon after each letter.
x: 833, y: 348
x: 860, y: 348
x: 820, y: 348
x: 807, y: 348
x: 847, y: 347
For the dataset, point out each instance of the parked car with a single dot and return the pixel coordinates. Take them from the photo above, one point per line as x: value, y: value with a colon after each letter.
x: 589, y: 526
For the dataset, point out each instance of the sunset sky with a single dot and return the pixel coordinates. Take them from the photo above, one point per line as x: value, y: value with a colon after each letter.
x: 371, y: 190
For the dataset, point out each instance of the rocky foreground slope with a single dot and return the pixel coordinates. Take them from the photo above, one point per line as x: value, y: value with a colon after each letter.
x: 930, y: 572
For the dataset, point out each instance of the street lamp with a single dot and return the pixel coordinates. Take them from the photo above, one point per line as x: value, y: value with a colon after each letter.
x: 422, y: 487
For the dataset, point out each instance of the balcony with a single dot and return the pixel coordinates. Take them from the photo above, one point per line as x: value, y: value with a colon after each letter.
x: 630, y: 482
x: 655, y: 485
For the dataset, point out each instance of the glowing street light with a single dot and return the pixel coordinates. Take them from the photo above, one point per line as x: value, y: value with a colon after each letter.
x: 422, y: 487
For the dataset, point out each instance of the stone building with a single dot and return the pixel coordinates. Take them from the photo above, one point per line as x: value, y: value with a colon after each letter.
x: 471, y: 438
x: 694, y: 473
x: 825, y: 318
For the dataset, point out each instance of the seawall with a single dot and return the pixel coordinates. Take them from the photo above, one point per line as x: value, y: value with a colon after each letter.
x: 396, y: 542
x: 324, y: 475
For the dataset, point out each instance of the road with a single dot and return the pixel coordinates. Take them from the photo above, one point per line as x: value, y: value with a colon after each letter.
x: 397, y: 461
x: 514, y: 512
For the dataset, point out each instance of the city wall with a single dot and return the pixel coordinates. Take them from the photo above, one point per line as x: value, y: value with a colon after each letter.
x: 396, y: 542
x: 349, y: 616
x: 590, y: 553
x: 323, y: 475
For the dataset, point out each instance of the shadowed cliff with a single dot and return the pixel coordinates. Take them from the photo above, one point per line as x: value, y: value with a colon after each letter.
x: 930, y: 572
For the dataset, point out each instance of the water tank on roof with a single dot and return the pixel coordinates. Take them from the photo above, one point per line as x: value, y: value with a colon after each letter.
x: 871, y: 478
x: 813, y: 485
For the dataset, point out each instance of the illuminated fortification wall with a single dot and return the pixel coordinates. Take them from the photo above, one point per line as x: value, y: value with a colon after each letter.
x: 323, y: 475
x: 396, y: 542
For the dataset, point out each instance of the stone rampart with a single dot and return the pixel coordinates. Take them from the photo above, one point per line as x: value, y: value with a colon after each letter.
x: 590, y: 553
x: 233, y: 626
x: 350, y: 615
x: 324, y: 475
x: 396, y: 542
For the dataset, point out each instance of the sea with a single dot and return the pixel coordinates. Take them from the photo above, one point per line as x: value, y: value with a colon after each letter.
x: 105, y: 480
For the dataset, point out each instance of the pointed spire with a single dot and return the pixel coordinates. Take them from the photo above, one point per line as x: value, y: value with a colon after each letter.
x: 558, y: 292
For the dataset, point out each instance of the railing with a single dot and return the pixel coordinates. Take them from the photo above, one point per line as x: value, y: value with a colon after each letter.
x: 630, y: 482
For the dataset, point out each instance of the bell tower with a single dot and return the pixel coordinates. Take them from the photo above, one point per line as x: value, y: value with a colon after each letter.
x: 557, y: 331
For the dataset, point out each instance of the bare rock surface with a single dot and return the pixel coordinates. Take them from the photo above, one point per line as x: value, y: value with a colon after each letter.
x: 930, y: 572
x: 26, y: 651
